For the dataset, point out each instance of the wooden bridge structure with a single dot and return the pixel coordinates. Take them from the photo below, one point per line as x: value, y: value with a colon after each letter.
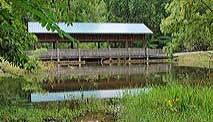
x: 113, y: 34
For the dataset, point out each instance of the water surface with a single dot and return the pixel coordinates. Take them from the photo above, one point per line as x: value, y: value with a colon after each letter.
x: 113, y: 81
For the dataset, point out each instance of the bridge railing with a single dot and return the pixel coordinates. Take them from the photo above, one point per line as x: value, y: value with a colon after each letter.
x: 100, y: 53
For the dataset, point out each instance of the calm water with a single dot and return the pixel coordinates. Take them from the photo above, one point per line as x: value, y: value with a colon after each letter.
x: 113, y: 81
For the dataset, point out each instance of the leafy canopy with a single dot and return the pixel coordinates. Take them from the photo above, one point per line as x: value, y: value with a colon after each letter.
x: 14, y: 37
x: 190, y: 23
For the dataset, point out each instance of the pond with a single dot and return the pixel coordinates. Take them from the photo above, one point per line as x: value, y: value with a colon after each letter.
x: 113, y: 81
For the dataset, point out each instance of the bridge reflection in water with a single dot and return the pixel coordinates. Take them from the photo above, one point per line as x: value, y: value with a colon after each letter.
x: 98, y: 81
x: 111, y: 70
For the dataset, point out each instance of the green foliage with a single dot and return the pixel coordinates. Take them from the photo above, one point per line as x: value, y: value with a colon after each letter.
x: 31, y: 80
x: 34, y: 64
x: 14, y: 37
x: 149, y: 12
x: 190, y: 24
x: 67, y: 111
x: 35, y: 114
x: 88, y: 10
x: 170, y: 47
x: 137, y: 11
x: 173, y: 102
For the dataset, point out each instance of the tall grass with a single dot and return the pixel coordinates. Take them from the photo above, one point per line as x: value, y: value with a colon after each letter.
x: 66, y: 111
x: 173, y: 102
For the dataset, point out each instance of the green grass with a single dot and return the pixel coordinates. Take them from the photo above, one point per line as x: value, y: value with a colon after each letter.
x: 67, y: 111
x: 172, y: 102
x: 169, y: 104
x: 166, y: 103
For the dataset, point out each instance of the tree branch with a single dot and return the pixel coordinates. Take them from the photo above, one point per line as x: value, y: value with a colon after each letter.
x: 206, y: 5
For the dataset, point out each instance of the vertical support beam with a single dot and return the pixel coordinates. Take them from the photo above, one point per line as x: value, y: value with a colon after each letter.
x: 53, y: 43
x: 147, y: 54
x: 57, y: 51
x: 147, y: 50
x: 116, y: 44
x: 126, y: 43
x: 58, y: 59
x: 143, y: 42
x: 71, y: 45
x: 129, y: 52
x: 36, y: 46
x: 53, y: 50
x: 108, y: 46
x: 99, y: 45
x: 79, y: 54
x: 147, y: 73
x: 129, y: 49
x: 109, y: 50
x: 126, y: 46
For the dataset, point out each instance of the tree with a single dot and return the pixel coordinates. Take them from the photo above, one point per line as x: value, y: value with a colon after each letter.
x: 137, y: 11
x: 149, y: 12
x: 190, y: 24
x: 14, y: 37
x: 88, y: 10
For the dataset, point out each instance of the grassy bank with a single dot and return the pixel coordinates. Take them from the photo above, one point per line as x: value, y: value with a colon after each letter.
x: 195, y: 59
x: 66, y: 111
x: 166, y: 103
x: 169, y: 103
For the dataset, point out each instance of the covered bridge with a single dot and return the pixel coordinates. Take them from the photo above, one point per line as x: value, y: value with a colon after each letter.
x: 119, y: 35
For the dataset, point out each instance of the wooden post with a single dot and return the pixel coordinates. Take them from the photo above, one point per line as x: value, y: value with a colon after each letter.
x: 146, y: 50
x: 109, y: 50
x: 58, y: 58
x: 129, y: 52
x: 72, y: 45
x: 108, y: 44
x: 147, y: 54
x: 54, y: 45
x: 126, y: 46
x: 36, y: 45
x: 57, y: 51
x: 79, y: 55
x: 99, y: 45
x: 147, y: 73
x: 115, y: 44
